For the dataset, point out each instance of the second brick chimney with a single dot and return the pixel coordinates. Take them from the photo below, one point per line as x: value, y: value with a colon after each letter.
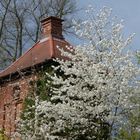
x: 52, y: 26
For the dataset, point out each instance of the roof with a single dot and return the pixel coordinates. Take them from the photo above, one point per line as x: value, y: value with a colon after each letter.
x: 43, y: 50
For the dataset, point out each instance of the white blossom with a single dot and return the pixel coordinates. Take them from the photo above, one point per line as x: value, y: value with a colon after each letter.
x: 98, y: 83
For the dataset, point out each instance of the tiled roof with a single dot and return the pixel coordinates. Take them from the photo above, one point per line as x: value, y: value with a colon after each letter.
x: 43, y: 50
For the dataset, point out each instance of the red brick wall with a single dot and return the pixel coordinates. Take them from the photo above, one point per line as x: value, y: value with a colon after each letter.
x: 10, y: 107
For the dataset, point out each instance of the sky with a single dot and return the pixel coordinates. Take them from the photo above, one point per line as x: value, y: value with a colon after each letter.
x: 128, y: 10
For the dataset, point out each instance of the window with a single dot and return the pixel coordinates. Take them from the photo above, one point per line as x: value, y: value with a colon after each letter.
x: 16, y: 92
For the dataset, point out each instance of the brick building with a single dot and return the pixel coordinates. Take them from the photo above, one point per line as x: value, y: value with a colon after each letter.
x: 14, y: 80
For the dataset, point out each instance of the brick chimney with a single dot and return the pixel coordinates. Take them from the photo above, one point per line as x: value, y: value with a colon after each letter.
x: 52, y: 26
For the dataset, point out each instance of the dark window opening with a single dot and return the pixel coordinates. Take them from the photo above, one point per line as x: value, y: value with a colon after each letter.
x: 16, y: 92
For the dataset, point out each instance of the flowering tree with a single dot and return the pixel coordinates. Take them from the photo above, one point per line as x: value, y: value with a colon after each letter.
x: 90, y: 94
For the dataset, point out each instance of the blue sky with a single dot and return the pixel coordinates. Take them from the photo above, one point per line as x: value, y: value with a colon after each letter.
x: 129, y: 10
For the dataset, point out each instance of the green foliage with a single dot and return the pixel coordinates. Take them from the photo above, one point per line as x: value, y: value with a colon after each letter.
x: 28, y: 107
x: 3, y: 136
x: 138, y: 57
x: 125, y: 135
x: 44, y: 84
x: 131, y: 130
